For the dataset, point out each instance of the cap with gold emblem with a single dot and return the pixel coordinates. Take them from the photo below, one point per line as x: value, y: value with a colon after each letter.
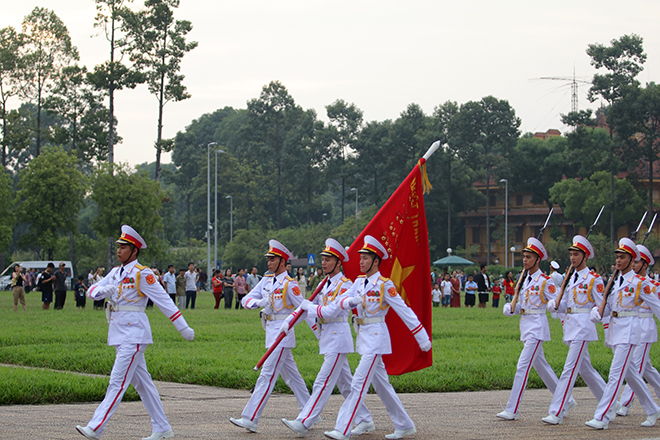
x: 277, y: 249
x: 334, y: 249
x: 581, y: 243
x: 130, y: 236
x: 646, y: 254
x: 535, y: 246
x: 627, y: 246
x: 373, y: 246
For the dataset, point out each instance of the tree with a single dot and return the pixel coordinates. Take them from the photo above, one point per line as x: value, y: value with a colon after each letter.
x: 112, y: 75
x: 10, y: 43
x: 157, y: 45
x: 637, y: 118
x: 83, y: 114
x: 345, y: 124
x: 485, y: 133
x: 623, y: 59
x: 51, y: 191
x: 7, y: 215
x: 126, y: 197
x: 46, y: 50
x: 581, y: 200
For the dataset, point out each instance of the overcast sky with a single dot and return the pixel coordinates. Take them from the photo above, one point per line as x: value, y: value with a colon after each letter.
x: 381, y: 55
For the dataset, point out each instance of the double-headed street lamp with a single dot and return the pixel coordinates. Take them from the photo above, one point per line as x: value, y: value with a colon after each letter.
x: 356, y: 211
x: 208, y: 206
x: 506, y: 220
x: 215, y: 224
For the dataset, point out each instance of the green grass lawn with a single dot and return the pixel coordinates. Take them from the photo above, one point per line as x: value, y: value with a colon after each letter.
x: 473, y: 349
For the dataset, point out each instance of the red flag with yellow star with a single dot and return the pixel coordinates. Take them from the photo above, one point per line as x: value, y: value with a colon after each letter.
x: 400, y: 226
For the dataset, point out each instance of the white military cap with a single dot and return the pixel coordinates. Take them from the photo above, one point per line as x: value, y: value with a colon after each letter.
x: 535, y: 246
x: 334, y: 249
x: 581, y: 243
x: 130, y: 236
x: 628, y: 246
x: 646, y: 254
x: 277, y: 249
x: 554, y: 265
x: 373, y: 246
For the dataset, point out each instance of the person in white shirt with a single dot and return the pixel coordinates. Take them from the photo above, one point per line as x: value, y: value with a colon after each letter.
x: 170, y: 282
x: 445, y: 286
x: 191, y: 285
x: 436, y: 293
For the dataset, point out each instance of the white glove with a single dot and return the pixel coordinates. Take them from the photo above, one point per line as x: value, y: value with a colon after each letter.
x: 354, y: 301
x: 188, y: 333
x: 552, y: 305
x: 109, y: 290
x: 307, y: 304
x: 284, y: 328
x: 263, y: 302
x: 594, y: 315
x: 507, y: 310
x: 426, y: 346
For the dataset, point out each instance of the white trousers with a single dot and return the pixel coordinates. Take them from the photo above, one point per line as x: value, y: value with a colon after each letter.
x: 334, y: 371
x: 371, y: 370
x: 280, y: 362
x: 130, y: 368
x: 577, y: 361
x: 642, y: 363
x: 621, y: 368
x: 531, y: 356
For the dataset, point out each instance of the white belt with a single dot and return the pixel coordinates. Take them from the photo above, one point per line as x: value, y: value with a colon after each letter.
x: 329, y: 320
x: 532, y: 311
x: 276, y: 317
x: 366, y: 321
x: 118, y: 308
x: 573, y: 310
x: 622, y: 314
x: 645, y: 315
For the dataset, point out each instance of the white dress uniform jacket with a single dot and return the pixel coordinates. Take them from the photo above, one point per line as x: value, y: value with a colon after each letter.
x: 622, y: 307
x: 136, y: 284
x: 336, y: 334
x: 284, y: 297
x: 581, y: 295
x: 535, y: 293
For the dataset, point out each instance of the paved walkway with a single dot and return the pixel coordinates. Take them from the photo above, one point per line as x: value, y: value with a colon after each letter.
x: 200, y: 412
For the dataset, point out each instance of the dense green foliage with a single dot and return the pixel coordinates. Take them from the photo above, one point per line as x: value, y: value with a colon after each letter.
x: 474, y: 349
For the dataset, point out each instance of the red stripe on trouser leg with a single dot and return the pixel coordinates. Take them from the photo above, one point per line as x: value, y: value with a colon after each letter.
x: 529, y: 367
x: 119, y: 393
x: 618, y: 383
x: 571, y: 380
x: 325, y: 384
x: 268, y: 390
x: 362, y: 391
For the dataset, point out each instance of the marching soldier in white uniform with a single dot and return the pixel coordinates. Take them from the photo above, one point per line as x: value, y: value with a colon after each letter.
x: 623, y: 305
x: 335, y: 342
x: 128, y: 288
x: 279, y: 295
x: 537, y: 289
x: 582, y: 292
x: 648, y: 335
x: 373, y: 295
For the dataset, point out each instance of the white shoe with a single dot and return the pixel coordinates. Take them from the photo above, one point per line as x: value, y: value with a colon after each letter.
x: 88, y: 432
x: 399, y: 433
x: 552, y: 420
x: 335, y: 434
x: 295, y: 426
x: 363, y: 427
x: 159, y: 435
x: 622, y: 411
x: 569, y: 406
x: 244, y: 423
x: 650, y: 420
x: 596, y: 424
x: 506, y: 415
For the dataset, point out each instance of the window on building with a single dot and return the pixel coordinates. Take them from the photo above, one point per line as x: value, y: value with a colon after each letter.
x: 519, y: 235
x: 476, y: 235
x: 519, y: 201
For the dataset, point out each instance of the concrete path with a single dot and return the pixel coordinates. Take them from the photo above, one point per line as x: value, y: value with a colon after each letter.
x: 200, y: 412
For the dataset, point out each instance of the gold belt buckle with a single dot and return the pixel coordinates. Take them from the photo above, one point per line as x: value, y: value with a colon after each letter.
x: 269, y: 318
x: 615, y: 314
x: 322, y: 320
x: 569, y: 310
x: 522, y: 311
x: 360, y: 321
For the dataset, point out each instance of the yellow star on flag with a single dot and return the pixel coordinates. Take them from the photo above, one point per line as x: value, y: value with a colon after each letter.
x: 399, y: 275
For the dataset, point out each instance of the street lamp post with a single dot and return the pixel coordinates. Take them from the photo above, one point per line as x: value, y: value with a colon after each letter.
x: 231, y: 217
x: 513, y: 249
x: 324, y: 215
x: 215, y: 223
x: 356, y: 211
x: 208, y: 206
x: 506, y: 219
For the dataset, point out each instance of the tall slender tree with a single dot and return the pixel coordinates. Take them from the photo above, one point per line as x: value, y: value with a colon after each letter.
x: 157, y: 42
x: 47, y: 49
x: 10, y: 43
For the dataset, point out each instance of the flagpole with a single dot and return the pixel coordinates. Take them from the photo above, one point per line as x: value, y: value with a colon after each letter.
x: 432, y: 149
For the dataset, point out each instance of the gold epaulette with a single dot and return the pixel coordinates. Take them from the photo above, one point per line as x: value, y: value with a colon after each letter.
x: 344, y: 279
x: 545, y: 276
x: 594, y: 274
x: 640, y: 277
x: 140, y: 267
x: 362, y: 276
x: 289, y: 278
x: 269, y: 275
x: 654, y: 282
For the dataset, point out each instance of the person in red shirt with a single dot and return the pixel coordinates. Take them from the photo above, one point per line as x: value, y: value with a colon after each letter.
x: 455, y: 290
x: 509, y: 284
x: 496, y: 293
